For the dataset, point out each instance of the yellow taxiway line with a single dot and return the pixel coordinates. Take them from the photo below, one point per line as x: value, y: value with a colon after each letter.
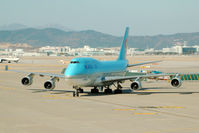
x: 57, y: 97
x: 124, y: 109
x: 7, y: 88
x: 154, y: 113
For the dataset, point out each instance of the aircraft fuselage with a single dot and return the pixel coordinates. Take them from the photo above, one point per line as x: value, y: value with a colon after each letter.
x: 89, y: 72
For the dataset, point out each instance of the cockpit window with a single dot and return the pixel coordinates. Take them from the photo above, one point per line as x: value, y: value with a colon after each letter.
x: 73, y: 62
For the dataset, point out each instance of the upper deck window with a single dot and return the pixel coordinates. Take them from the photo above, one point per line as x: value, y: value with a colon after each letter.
x: 73, y: 62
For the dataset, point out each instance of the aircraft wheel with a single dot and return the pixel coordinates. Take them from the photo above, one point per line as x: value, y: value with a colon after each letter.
x: 81, y: 90
x: 108, y: 91
x: 74, y: 94
x: 94, y: 91
x: 77, y: 94
x: 117, y: 91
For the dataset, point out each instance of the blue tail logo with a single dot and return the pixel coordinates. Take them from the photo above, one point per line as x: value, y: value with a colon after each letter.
x: 123, y: 50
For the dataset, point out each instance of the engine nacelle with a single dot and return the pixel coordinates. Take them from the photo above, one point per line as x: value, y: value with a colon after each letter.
x: 28, y: 80
x: 176, y: 82
x: 136, y: 85
x: 50, y: 84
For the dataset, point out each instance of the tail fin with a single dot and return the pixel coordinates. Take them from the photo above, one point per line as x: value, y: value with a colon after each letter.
x: 123, y: 50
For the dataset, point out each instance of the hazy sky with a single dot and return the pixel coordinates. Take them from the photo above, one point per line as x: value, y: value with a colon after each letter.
x: 144, y: 17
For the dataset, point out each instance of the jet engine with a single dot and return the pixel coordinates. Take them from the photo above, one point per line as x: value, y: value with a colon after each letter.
x: 50, y: 84
x: 136, y: 85
x: 176, y: 82
x: 27, y: 80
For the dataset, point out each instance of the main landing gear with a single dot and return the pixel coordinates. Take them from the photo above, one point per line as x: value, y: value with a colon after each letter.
x: 108, y: 90
x: 77, y: 91
x: 94, y: 90
x: 118, y: 89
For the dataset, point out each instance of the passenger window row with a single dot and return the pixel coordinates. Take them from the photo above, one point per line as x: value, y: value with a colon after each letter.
x: 90, y: 66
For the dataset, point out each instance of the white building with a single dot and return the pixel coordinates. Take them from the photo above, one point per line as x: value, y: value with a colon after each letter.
x: 34, y: 54
x: 197, y: 47
x: 131, y: 51
x: 56, y: 50
x: 179, y: 49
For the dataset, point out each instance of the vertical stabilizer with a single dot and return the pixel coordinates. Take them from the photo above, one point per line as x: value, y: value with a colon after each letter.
x: 123, y: 50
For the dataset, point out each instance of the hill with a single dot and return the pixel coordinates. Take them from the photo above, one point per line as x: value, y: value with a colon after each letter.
x: 56, y: 37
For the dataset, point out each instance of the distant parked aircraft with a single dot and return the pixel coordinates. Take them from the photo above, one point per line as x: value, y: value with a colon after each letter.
x: 9, y: 59
x: 89, y: 72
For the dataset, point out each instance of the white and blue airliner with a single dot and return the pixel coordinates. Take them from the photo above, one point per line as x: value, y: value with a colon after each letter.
x: 90, y: 72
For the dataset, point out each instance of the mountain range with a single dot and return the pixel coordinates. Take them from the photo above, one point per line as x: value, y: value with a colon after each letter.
x: 57, y: 37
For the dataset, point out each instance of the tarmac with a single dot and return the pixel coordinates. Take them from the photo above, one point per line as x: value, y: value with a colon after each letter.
x: 157, y: 108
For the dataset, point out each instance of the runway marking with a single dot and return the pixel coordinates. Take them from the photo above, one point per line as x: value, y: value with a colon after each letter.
x: 124, y: 109
x: 56, y: 97
x: 149, y: 90
x: 176, y: 107
x: 150, y: 108
x: 45, y: 71
x: 7, y: 88
x: 38, y: 65
x: 173, y: 130
x: 154, y: 113
x: 33, y: 71
x: 5, y: 72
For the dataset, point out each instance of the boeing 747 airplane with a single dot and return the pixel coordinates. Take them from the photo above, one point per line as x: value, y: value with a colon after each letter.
x: 89, y: 72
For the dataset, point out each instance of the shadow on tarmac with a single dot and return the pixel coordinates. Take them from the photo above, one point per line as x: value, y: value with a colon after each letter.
x: 52, y: 91
x: 124, y: 91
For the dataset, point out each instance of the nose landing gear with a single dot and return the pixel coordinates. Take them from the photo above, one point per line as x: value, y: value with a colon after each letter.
x: 77, y: 91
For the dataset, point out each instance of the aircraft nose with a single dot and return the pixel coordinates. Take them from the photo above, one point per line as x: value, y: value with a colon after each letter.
x: 68, y: 77
x: 69, y: 80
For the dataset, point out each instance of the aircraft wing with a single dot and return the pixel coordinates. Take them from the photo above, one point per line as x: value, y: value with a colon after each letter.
x: 138, y: 64
x: 37, y: 73
x: 122, y: 78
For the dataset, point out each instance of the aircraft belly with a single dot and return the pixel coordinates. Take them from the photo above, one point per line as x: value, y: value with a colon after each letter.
x: 91, y: 80
x: 100, y: 77
x: 81, y: 81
